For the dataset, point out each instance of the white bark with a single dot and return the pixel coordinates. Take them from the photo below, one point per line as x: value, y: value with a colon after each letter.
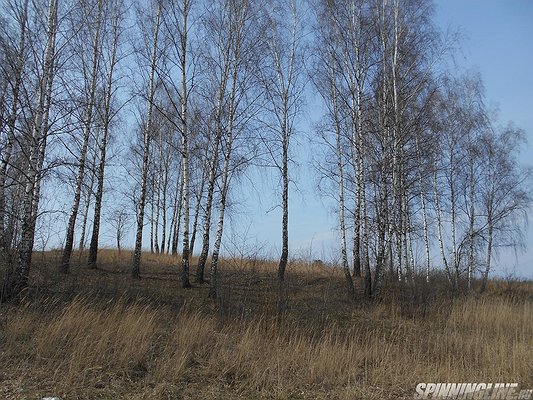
x: 16, y: 280
x: 221, y: 93
x: 424, y: 211
x: 12, y: 120
x: 439, y: 222
x: 107, y: 117
x: 87, y: 127
x: 185, y: 257
x: 146, y: 146
x: 342, y: 221
x: 213, y: 273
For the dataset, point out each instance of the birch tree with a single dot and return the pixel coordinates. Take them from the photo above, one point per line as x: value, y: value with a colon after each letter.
x: 284, y: 85
x: 505, y: 197
x: 153, y: 54
x: 219, y: 60
x: 17, y: 279
x: 87, y: 128
x: 244, y: 27
x: 13, y: 70
x: 328, y: 86
x: 108, y: 113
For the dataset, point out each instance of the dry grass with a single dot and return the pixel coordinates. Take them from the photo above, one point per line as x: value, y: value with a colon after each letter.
x: 97, y: 334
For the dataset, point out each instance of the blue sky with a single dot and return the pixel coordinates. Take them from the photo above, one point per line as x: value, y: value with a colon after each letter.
x: 497, y: 41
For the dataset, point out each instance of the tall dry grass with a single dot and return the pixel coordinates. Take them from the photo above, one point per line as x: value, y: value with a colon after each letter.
x: 120, y: 346
x: 119, y: 350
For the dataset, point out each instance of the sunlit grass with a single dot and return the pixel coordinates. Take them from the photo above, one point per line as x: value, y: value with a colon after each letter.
x: 98, y: 334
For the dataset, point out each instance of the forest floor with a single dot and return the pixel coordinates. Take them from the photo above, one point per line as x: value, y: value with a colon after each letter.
x: 98, y: 334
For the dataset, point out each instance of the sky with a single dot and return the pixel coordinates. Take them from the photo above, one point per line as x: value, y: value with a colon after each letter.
x: 497, y: 41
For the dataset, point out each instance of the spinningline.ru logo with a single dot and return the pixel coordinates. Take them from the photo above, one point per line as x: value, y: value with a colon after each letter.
x: 479, y: 391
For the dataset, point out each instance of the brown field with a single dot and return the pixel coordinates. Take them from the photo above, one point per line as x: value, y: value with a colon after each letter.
x: 101, y: 335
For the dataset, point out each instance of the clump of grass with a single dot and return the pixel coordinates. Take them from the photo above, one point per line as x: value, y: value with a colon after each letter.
x: 88, y: 340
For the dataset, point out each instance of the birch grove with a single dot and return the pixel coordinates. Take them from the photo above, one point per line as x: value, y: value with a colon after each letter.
x: 139, y: 123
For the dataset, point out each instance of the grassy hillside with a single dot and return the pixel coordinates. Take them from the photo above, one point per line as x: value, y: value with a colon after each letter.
x: 99, y: 334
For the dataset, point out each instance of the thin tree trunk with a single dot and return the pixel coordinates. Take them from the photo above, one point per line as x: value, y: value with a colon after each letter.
x: 382, y: 231
x: 177, y: 226
x: 356, y: 251
x: 152, y: 219
x: 118, y: 245
x: 146, y: 152
x: 490, y: 224
x: 362, y: 190
x: 424, y: 211
x: 213, y: 273
x: 164, y: 207
x: 157, y: 187
x: 439, y: 222
x: 185, y: 255
x: 88, y: 196
x: 67, y: 251
x: 397, y: 190
x: 93, y: 247
x: 198, y: 204
x: 172, y: 243
x: 471, y: 222
x: 213, y: 169
x: 172, y: 223
x: 284, y: 202
x: 350, y: 290
x: 213, y: 284
x: 451, y: 179
x: 485, y: 280
x: 408, y: 229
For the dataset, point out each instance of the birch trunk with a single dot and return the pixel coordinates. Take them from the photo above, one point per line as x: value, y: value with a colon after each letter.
x: 93, y: 247
x: 455, y: 263
x: 208, y: 211
x: 157, y: 187
x: 382, y: 232
x: 11, y: 123
x: 490, y: 223
x: 152, y: 219
x: 164, y: 207
x: 350, y: 290
x: 408, y: 230
x: 284, y: 201
x: 213, y: 273
x: 424, y: 211
x: 185, y: 256
x: 489, y: 256
x: 362, y: 191
x: 67, y: 251
x: 198, y: 205
x: 146, y: 150
x: 397, y: 197
x: 87, y: 205
x: 471, y: 218
x: 17, y: 280
x: 439, y: 222
x: 176, y: 233
x: 213, y: 167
